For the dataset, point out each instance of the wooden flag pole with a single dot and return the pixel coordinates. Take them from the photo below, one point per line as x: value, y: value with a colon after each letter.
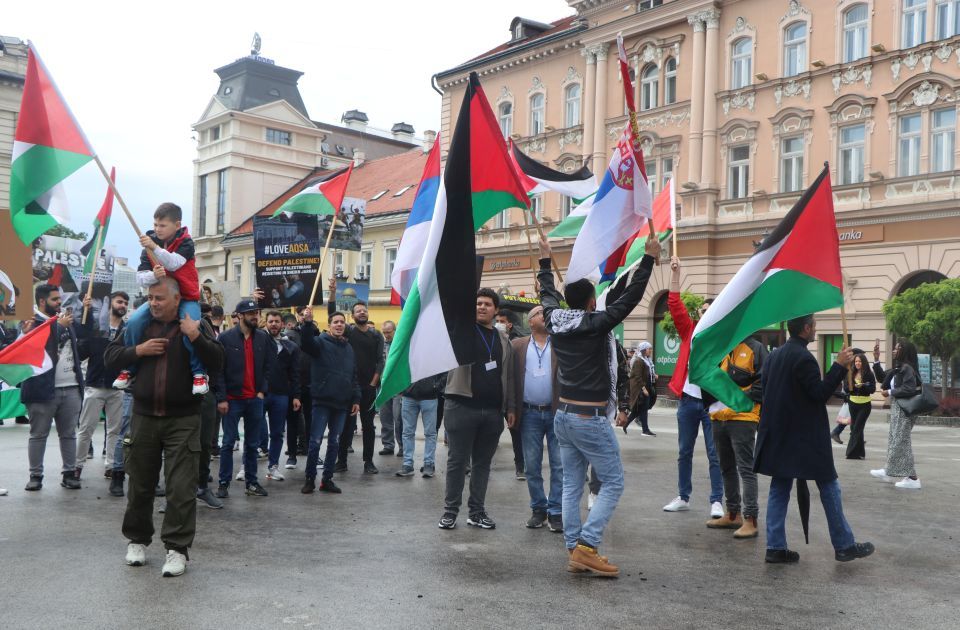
x: 846, y: 341
x: 123, y: 205
x: 95, y: 253
x: 323, y: 256
x: 553, y: 258
x: 533, y: 257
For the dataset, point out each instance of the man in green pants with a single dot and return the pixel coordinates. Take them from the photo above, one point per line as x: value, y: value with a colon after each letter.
x: 165, y: 427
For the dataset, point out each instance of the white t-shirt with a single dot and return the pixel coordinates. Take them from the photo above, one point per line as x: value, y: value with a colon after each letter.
x: 65, y: 376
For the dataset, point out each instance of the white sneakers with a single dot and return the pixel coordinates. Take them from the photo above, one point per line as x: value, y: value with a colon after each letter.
x: 274, y: 473
x: 908, y: 483
x: 881, y: 474
x: 175, y: 564
x: 591, y: 499
x: 679, y: 505
x: 716, y: 509
x: 241, y: 475
x: 3, y: 492
x: 136, y: 555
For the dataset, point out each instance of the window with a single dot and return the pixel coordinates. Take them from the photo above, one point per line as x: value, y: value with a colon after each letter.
x: 402, y: 190
x: 670, y: 81
x: 276, y: 136
x: 649, y: 87
x: 566, y: 206
x: 908, y: 155
x: 502, y: 220
x: 851, y: 154
x: 651, y: 166
x: 215, y: 133
x: 643, y: 5
x: 536, y: 114
x: 942, y: 138
x: 379, y: 194
x: 339, y: 269
x: 667, y: 174
x: 518, y: 30
x: 571, y: 110
x: 202, y: 207
x: 739, y: 171
x: 741, y: 72
x: 795, y: 49
x: 791, y: 164
x: 389, y: 258
x: 252, y: 262
x: 948, y: 18
x: 365, y: 269
x: 221, y: 200
x: 855, y: 33
x: 536, y: 206
x: 505, y: 115
x: 237, y: 270
x: 914, y: 23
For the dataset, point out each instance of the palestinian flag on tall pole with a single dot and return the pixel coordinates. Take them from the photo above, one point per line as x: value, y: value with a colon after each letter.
x: 437, y: 327
x: 322, y: 198
x: 537, y: 178
x: 795, y: 272
x: 27, y: 356
x: 48, y: 147
x: 101, y: 222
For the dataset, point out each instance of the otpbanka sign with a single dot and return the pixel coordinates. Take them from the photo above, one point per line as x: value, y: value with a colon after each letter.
x: 861, y: 234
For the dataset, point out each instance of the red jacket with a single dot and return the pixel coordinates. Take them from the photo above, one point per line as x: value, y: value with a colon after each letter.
x: 186, y: 276
x: 685, y: 326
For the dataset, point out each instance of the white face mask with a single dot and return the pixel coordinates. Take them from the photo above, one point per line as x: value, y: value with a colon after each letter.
x: 500, y: 326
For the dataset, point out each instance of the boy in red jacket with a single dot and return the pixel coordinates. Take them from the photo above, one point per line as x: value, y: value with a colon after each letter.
x: 172, y: 248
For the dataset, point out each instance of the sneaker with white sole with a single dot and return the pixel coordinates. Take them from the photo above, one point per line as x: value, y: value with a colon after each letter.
x: 679, y: 505
x: 591, y: 499
x: 908, y: 483
x: 291, y: 463
x: 716, y: 509
x: 881, y: 474
x: 241, y: 475
x: 136, y: 555
x: 175, y: 564
x: 123, y: 380
x: 3, y: 492
x: 200, y: 387
x: 274, y: 473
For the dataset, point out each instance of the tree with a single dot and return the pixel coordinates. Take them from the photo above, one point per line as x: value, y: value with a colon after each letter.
x: 65, y: 232
x: 693, y: 302
x: 929, y: 316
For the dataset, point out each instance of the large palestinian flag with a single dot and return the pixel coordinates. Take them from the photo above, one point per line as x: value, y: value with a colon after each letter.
x: 795, y: 272
x: 323, y: 198
x: 436, y: 331
x: 537, y: 178
x: 48, y: 147
x: 27, y: 356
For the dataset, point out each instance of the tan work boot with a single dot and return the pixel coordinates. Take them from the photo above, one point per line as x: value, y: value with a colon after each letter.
x: 584, y: 557
x: 749, y: 529
x: 727, y: 521
x: 571, y: 568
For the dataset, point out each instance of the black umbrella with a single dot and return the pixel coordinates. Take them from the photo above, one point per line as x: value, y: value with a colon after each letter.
x: 803, y: 502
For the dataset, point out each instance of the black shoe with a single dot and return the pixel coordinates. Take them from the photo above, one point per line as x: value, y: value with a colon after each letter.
x: 35, y: 483
x: 340, y: 467
x: 836, y: 438
x: 537, y: 519
x: 428, y: 471
x: 108, y: 473
x: 309, y: 485
x: 223, y: 491
x: 70, y: 481
x: 22, y: 420
x: 481, y: 520
x: 650, y: 433
x: 327, y: 485
x: 90, y: 452
x: 206, y: 497
x: 255, y: 490
x: 386, y: 451
x: 521, y: 476
x: 404, y: 472
x: 349, y: 449
x: 854, y: 551
x: 447, y: 521
x: 781, y: 556
x: 160, y: 491
x: 116, y: 483
x: 400, y: 453
x: 369, y: 468
x: 555, y: 523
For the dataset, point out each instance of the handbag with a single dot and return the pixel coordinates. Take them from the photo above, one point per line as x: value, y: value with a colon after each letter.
x: 844, y: 416
x: 923, y: 402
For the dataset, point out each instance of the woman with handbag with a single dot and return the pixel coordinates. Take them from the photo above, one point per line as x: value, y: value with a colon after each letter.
x: 641, y: 388
x: 904, y: 384
x: 857, y: 389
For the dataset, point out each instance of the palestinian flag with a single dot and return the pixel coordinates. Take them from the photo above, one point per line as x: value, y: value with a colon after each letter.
x: 570, y: 227
x: 100, y: 223
x: 27, y: 356
x: 48, y: 147
x: 537, y: 178
x: 437, y: 328
x: 795, y: 272
x: 10, y: 405
x: 323, y: 198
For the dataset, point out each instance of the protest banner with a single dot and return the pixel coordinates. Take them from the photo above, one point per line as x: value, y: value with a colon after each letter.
x: 287, y: 252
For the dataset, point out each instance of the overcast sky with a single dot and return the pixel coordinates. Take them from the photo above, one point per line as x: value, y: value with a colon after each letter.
x: 138, y: 75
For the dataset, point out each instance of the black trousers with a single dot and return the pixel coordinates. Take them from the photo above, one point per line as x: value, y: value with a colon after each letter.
x: 367, y: 414
x: 517, y: 448
x: 641, y: 414
x: 856, y: 446
x: 304, y: 422
x: 208, y: 420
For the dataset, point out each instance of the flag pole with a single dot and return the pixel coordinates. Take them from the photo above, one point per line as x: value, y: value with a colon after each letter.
x: 123, y: 205
x: 323, y: 256
x: 93, y: 271
x: 533, y: 258
x: 539, y: 227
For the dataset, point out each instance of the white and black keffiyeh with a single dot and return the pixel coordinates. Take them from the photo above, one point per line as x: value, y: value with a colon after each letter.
x: 567, y: 321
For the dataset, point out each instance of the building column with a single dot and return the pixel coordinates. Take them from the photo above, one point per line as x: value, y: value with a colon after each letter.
x: 589, y: 95
x: 600, y: 113
x: 708, y: 172
x: 696, y: 102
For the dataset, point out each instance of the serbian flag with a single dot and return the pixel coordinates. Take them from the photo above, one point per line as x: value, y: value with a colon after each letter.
x: 48, y: 148
x: 537, y: 178
x: 795, y: 272
x: 92, y: 247
x: 415, y: 234
x: 325, y: 197
x: 27, y: 356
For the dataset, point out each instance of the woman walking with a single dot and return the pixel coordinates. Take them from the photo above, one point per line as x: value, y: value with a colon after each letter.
x: 642, y: 390
x: 904, y: 383
x: 857, y: 389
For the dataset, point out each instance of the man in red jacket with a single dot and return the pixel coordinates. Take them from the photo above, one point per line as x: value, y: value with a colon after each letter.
x: 691, y: 414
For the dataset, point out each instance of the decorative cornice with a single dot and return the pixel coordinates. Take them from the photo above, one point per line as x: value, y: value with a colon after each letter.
x: 851, y: 75
x: 793, y: 87
x: 793, y: 10
x: 739, y: 100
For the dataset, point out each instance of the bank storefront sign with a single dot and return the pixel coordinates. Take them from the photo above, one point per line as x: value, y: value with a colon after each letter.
x: 666, y: 350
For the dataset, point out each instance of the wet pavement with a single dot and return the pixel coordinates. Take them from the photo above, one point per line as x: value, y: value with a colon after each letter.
x: 374, y: 558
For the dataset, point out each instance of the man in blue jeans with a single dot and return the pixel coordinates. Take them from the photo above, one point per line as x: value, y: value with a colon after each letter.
x: 535, y: 378
x: 284, y: 394
x: 589, y: 398
x: 420, y: 399
x: 793, y: 440
x: 249, y: 359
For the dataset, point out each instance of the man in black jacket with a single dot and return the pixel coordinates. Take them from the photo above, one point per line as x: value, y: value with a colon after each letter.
x: 248, y: 359
x: 284, y: 395
x: 100, y: 395
x: 793, y: 439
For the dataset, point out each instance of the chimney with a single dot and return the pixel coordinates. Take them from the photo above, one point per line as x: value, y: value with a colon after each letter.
x: 359, y: 157
x: 403, y: 132
x: 429, y: 137
x: 355, y: 119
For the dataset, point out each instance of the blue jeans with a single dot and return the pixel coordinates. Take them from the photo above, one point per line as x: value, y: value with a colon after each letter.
x: 841, y: 536
x: 534, y: 427
x: 690, y: 417
x: 252, y: 411
x: 583, y: 441
x: 271, y: 438
x: 124, y: 427
x: 322, y: 417
x: 138, y: 321
x: 410, y: 408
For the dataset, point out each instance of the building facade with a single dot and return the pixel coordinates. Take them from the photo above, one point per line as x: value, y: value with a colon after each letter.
x: 13, y: 69
x: 742, y: 103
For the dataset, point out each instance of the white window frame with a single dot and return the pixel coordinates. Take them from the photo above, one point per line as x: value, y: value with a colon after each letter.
x: 741, y: 64
x: 505, y: 117
x: 666, y: 172
x: 855, y: 34
x: 670, y: 81
x: 913, y: 17
x: 942, y: 158
x: 339, y: 261
x: 279, y: 137
x: 738, y: 172
x: 571, y: 105
x: 649, y: 87
x: 221, y: 200
x: 795, y: 49
x: 501, y: 220
x: 908, y: 145
x: 851, y: 156
x: 389, y: 260
x: 947, y: 18
x: 366, y: 261
x: 791, y: 161
x: 252, y: 262
x: 566, y: 206
x: 536, y: 206
x: 537, y: 113
x: 237, y: 264
x: 652, y: 182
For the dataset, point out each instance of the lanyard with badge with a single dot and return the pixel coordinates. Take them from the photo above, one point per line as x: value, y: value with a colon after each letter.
x: 491, y: 364
x: 539, y: 370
